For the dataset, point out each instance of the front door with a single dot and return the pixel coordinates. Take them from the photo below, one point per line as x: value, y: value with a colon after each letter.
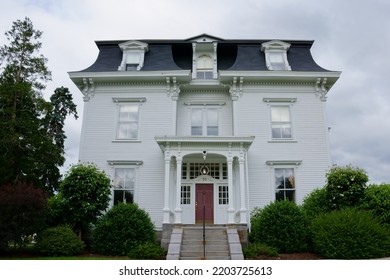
x: 204, y: 205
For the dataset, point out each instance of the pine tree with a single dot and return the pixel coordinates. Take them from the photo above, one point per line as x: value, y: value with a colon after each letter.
x: 31, y: 128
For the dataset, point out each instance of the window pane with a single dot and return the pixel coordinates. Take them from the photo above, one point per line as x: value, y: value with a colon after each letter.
x: 212, y: 130
x: 196, y: 117
x: 212, y: 117
x: 124, y: 178
x: 127, y: 130
x: 276, y: 60
x: 280, y: 113
x: 123, y: 196
x: 128, y: 113
x: 196, y: 130
x: 285, y: 184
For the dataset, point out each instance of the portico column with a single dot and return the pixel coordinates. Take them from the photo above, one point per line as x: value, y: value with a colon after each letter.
x: 230, y: 189
x: 243, y: 211
x: 166, y: 209
x: 178, y: 209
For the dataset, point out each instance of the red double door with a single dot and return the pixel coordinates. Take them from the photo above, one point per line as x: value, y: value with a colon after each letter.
x: 204, y: 206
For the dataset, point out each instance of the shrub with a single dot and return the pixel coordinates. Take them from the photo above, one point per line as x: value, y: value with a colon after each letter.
x: 283, y: 225
x: 315, y: 203
x: 59, y: 241
x: 121, y: 229
x: 84, y: 193
x: 345, y: 186
x: 376, y: 199
x: 256, y: 249
x: 350, y: 234
x: 147, y: 251
x: 23, y: 212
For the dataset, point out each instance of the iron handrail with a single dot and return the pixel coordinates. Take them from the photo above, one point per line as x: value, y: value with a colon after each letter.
x: 204, y: 231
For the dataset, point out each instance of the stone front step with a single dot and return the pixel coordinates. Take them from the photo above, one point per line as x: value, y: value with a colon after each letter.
x: 217, y: 246
x: 208, y: 248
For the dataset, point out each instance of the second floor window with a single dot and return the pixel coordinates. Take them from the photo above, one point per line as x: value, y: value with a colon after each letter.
x: 127, y: 127
x: 204, y: 121
x: 281, y: 122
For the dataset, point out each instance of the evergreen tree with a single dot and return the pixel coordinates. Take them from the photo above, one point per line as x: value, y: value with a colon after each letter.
x: 31, y: 128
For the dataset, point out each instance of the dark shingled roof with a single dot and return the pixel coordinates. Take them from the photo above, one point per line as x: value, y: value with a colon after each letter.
x: 245, y: 55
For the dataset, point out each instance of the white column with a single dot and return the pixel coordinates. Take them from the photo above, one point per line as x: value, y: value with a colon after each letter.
x: 166, y: 210
x: 230, y: 188
x: 178, y: 209
x: 243, y: 211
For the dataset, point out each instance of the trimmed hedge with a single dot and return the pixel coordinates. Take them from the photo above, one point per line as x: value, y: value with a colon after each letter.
x: 283, y: 225
x: 59, y: 241
x: 350, y: 234
x: 121, y: 229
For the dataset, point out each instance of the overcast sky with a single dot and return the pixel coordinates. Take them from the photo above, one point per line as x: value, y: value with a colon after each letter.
x: 350, y: 36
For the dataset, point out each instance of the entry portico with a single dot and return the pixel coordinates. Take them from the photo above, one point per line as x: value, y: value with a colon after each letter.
x: 205, y: 175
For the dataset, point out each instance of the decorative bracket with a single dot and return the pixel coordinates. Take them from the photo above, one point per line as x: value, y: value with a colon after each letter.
x: 236, y: 88
x: 321, y: 89
x: 89, y: 89
x: 173, y: 88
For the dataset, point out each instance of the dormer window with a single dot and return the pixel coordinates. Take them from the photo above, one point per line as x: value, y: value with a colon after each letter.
x: 133, y: 55
x: 204, y: 64
x: 204, y: 67
x: 276, y: 55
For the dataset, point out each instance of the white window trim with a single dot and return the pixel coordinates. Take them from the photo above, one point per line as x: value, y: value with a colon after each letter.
x: 283, y: 164
x: 125, y: 164
x: 281, y: 103
x: 276, y: 46
x: 138, y: 101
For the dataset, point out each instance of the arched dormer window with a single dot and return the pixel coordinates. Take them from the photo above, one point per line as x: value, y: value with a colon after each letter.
x: 133, y: 54
x: 276, y: 55
x: 204, y: 67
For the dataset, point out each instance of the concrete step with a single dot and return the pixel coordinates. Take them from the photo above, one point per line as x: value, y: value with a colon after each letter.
x: 199, y: 242
x: 208, y: 254
x: 210, y: 238
x: 208, y: 248
x: 207, y: 231
x: 207, y: 258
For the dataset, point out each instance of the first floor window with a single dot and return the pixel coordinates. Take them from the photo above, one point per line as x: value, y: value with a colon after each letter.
x: 185, y: 196
x: 223, y: 195
x: 124, y: 185
x: 285, y: 184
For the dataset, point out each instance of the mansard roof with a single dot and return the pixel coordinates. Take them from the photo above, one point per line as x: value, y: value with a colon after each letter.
x: 237, y: 55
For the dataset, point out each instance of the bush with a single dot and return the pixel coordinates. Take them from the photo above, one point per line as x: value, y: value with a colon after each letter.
x: 316, y: 203
x: 350, y: 234
x: 121, y: 229
x: 376, y: 199
x: 256, y: 249
x: 23, y: 212
x: 59, y: 241
x: 147, y: 251
x: 84, y: 195
x: 345, y: 186
x: 283, y: 225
